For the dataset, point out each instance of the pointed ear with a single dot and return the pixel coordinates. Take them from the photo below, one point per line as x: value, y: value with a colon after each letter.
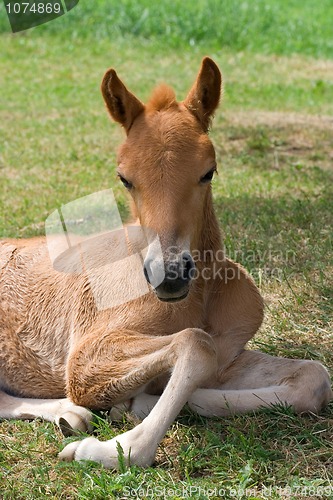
x: 122, y: 105
x: 204, y: 96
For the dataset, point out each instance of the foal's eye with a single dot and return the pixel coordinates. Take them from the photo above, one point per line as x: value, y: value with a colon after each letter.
x: 127, y: 184
x: 208, y: 177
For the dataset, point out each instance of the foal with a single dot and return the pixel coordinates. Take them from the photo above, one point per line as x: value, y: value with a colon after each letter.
x: 184, y: 340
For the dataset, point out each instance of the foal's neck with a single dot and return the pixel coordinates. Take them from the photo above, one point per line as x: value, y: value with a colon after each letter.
x: 210, y: 239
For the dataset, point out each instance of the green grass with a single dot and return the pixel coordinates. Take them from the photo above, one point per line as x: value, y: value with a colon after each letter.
x: 273, y: 196
x: 264, y: 26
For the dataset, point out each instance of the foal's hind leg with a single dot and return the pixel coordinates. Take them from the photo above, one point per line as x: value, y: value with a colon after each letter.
x: 256, y: 380
x: 68, y: 416
x: 23, y: 372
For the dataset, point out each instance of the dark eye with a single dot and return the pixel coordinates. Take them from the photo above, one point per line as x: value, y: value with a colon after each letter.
x: 208, y: 177
x: 127, y: 184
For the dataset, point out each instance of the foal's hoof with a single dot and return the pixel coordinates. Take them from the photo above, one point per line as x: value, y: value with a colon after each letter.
x: 72, y: 423
x: 68, y: 453
x: 117, y: 412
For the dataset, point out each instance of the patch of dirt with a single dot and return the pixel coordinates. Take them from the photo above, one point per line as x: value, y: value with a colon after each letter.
x: 278, y: 119
x: 280, y: 138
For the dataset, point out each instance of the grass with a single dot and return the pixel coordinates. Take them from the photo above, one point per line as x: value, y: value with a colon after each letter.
x: 260, y: 25
x: 273, y: 196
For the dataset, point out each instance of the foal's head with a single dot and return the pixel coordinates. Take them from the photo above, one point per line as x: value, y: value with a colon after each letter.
x: 166, y: 164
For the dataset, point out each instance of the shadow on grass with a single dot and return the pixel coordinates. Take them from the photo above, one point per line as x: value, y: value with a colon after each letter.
x: 286, y: 243
x: 295, y: 231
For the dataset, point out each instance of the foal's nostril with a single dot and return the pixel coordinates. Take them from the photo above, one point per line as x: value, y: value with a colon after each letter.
x: 147, y: 270
x: 188, y: 266
x: 170, y: 276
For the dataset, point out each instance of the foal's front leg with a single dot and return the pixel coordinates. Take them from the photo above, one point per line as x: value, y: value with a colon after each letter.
x: 189, y: 355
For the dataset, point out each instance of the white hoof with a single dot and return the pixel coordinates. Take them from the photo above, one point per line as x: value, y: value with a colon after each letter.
x: 71, y: 423
x: 91, y: 449
x: 133, y: 445
x: 74, y: 421
x: 68, y: 453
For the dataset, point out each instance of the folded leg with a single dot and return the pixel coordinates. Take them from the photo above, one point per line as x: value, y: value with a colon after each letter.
x: 67, y: 415
x: 191, y: 357
x: 256, y: 380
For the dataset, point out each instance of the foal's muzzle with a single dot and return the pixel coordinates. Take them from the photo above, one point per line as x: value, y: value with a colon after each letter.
x: 170, y: 279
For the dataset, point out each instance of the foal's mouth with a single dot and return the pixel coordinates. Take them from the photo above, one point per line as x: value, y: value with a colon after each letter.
x: 172, y: 298
x: 172, y: 290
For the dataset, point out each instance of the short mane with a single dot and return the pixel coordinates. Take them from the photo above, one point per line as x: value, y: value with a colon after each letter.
x: 163, y: 97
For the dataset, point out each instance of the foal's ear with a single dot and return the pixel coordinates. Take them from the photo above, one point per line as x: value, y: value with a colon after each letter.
x: 204, y: 96
x: 123, y: 106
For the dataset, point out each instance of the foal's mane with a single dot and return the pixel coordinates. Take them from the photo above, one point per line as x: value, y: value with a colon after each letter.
x: 162, y: 98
